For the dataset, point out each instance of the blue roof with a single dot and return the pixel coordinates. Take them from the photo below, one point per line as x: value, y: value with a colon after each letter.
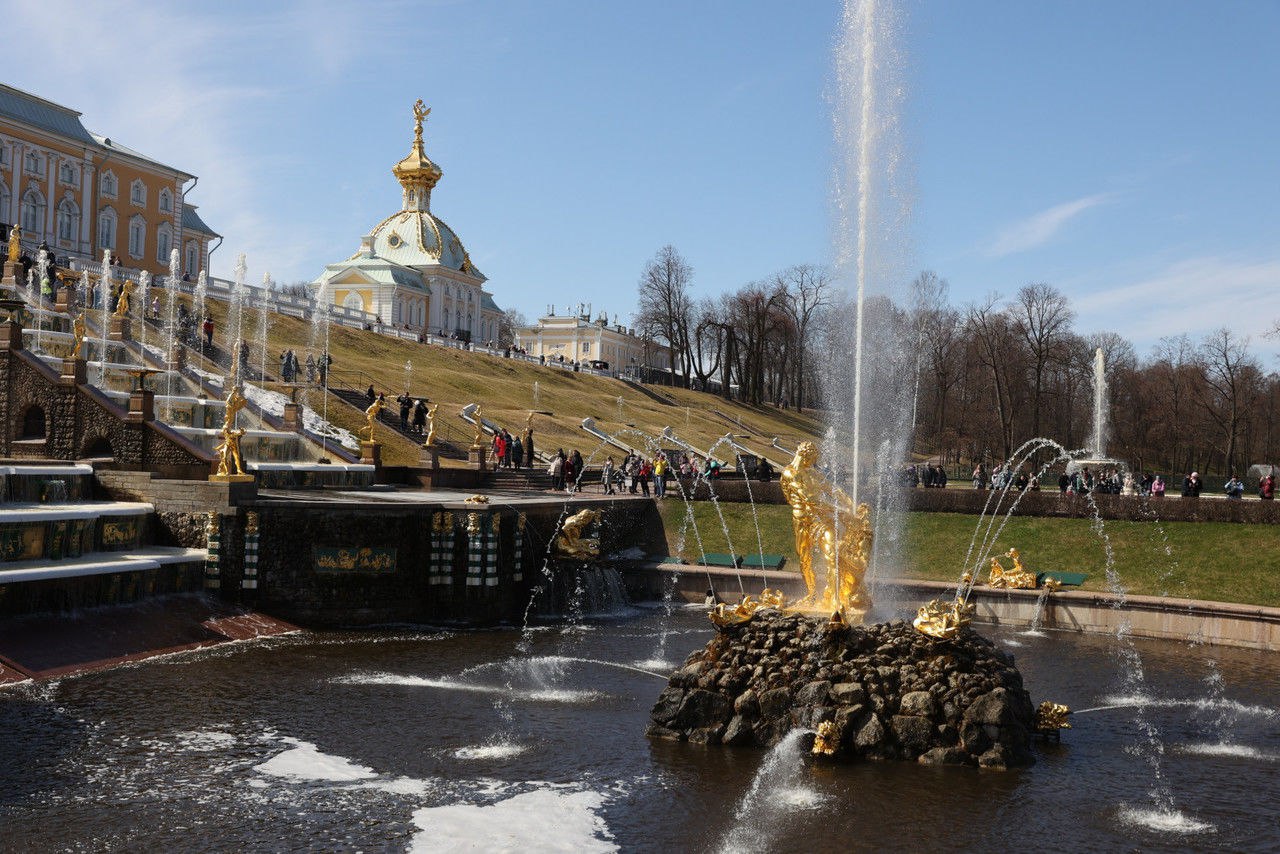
x: 487, y: 304
x: 191, y: 221
x: 29, y: 109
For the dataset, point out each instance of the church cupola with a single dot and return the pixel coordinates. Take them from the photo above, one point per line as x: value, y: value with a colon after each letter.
x: 416, y: 173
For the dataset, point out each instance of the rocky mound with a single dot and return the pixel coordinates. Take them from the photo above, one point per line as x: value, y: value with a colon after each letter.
x: 891, y: 692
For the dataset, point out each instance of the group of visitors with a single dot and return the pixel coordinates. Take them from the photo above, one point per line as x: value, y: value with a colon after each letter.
x: 511, y: 452
x: 565, y: 471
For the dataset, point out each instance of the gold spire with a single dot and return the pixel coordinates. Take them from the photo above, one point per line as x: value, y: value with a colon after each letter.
x: 416, y: 173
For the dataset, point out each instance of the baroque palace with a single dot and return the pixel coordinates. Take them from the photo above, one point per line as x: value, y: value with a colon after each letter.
x: 411, y: 270
x: 81, y: 193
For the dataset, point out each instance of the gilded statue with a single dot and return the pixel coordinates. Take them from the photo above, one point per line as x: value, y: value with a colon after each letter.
x: 15, y: 244
x: 725, y: 615
x: 228, y: 450
x: 478, y: 440
x: 572, y: 540
x: 431, y: 426
x: 122, y: 306
x: 943, y: 620
x: 824, y: 517
x: 371, y: 415
x: 420, y: 113
x: 1017, y: 578
x: 78, y: 331
x: 1051, y: 717
x: 827, y: 741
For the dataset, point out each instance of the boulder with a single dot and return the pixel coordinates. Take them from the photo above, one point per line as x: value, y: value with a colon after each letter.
x: 913, y: 733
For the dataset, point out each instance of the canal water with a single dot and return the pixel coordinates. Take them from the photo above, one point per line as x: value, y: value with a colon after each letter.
x: 422, y: 740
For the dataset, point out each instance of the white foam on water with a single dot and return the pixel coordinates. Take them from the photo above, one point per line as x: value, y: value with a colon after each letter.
x: 1240, y: 751
x: 498, y: 750
x: 1032, y: 633
x: 655, y: 664
x: 1009, y: 642
x: 304, y: 762
x: 1163, y: 820
x: 547, y: 695
x: 399, y: 786
x: 800, y: 797
x: 202, y: 741
x: 543, y: 820
x: 1201, y: 703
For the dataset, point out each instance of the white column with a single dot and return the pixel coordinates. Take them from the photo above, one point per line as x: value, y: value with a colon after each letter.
x: 86, y: 213
x: 50, y: 198
x: 15, y: 205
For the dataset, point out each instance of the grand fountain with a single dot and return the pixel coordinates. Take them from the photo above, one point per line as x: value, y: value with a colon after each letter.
x: 528, y: 735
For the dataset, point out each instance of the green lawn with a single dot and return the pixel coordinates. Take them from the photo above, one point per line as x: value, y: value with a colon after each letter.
x: 1218, y: 561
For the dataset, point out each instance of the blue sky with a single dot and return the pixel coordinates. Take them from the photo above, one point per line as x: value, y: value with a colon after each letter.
x: 1123, y: 151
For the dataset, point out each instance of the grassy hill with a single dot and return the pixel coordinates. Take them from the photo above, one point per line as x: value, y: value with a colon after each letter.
x: 505, y: 390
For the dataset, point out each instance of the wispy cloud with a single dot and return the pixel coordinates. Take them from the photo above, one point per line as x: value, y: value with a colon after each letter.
x: 1040, y: 228
x: 1195, y: 296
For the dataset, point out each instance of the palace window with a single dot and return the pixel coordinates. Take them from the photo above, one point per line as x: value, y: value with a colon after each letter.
x: 138, y: 192
x: 68, y: 221
x: 166, y: 200
x: 31, y: 163
x: 193, y: 257
x: 67, y: 173
x: 353, y: 301
x: 4, y: 154
x: 164, y: 241
x: 5, y: 198
x: 137, y: 236
x: 33, y: 208
x: 108, y: 186
x: 107, y: 229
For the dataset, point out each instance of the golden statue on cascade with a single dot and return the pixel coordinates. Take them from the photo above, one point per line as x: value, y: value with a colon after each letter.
x: 823, y: 516
x: 572, y: 540
x: 1016, y: 578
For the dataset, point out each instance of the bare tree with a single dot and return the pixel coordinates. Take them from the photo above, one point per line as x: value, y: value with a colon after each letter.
x: 510, y: 321
x: 1042, y: 318
x: 992, y: 336
x: 707, y: 340
x: 1231, y: 385
x: 806, y: 291
x: 665, y: 306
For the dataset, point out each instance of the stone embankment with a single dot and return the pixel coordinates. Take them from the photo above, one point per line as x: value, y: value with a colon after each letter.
x: 891, y: 692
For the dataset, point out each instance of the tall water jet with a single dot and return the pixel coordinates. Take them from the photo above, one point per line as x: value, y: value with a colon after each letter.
x: 1098, y: 441
x: 235, y: 313
x: 42, y: 274
x: 202, y: 293
x: 171, y: 329
x: 869, y: 398
x: 144, y: 296
x: 264, y: 323
x: 104, y: 321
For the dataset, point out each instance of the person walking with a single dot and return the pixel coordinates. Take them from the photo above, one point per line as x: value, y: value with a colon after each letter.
x: 556, y: 470
x: 208, y: 331
x: 516, y: 454
x: 419, y: 416
x: 1157, y: 487
x: 660, y: 476
x: 1267, y: 487
x: 1191, y: 485
x: 606, y: 476
x: 646, y: 471
x: 528, y: 447
x: 578, y: 468
x: 311, y: 368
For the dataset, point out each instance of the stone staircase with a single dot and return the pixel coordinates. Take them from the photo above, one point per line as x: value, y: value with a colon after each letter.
x: 390, y: 418
x: 514, y: 480
x: 61, y: 550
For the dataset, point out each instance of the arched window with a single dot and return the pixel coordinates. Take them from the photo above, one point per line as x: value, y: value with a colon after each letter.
x: 138, y: 192
x: 108, y: 186
x: 33, y: 208
x: 137, y: 235
x: 5, y: 198
x: 107, y: 229
x: 33, y: 425
x: 68, y: 221
x: 67, y: 173
x: 166, y: 200
x: 31, y: 163
x: 193, y: 258
x: 353, y: 301
x: 164, y: 240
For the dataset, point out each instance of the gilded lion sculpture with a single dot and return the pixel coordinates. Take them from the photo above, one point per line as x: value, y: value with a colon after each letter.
x: 572, y: 540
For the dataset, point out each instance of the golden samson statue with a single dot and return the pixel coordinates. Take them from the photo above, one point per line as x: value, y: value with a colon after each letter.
x: 823, y: 517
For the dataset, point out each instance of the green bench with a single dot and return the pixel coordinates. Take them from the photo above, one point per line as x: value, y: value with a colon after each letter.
x: 756, y: 561
x: 721, y: 559
x: 669, y: 559
x: 1066, y: 579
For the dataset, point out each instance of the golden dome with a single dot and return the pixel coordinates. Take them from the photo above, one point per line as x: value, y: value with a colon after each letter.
x: 416, y: 173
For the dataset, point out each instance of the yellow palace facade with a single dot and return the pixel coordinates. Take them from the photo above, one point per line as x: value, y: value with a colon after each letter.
x: 81, y: 193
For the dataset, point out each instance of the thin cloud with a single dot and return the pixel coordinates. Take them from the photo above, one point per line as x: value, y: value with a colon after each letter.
x: 1040, y: 228
x: 1195, y: 296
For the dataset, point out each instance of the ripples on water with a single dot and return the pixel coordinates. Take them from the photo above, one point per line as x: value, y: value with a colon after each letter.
x: 415, y: 741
